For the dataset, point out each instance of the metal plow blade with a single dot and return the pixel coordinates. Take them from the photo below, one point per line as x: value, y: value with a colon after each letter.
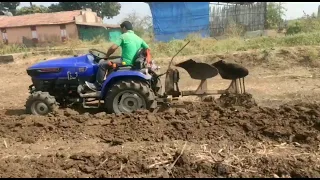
x: 234, y: 72
x: 199, y: 71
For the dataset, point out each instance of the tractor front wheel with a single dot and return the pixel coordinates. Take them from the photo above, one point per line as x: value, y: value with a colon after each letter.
x: 127, y: 96
x: 40, y: 103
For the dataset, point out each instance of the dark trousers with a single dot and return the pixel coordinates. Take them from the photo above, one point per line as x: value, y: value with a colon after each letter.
x: 103, y: 67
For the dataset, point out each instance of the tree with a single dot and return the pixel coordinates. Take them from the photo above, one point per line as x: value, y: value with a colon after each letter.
x: 141, y: 25
x: 31, y: 10
x: 103, y: 9
x: 55, y: 8
x: 9, y: 6
x: 275, y: 11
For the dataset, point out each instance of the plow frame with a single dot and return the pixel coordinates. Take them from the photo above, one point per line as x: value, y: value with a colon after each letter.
x: 172, y: 79
x: 172, y: 87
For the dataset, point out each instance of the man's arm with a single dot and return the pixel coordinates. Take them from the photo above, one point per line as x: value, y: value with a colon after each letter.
x: 111, y: 50
x: 114, y: 47
x: 144, y: 45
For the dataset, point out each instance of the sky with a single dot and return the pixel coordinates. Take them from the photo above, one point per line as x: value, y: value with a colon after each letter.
x: 294, y: 9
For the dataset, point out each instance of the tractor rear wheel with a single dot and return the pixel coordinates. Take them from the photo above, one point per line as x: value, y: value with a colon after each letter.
x: 40, y: 103
x: 158, y: 86
x: 127, y: 96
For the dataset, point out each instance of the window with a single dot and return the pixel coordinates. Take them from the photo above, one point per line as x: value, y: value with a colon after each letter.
x: 4, y: 36
x: 63, y: 32
x: 34, y: 34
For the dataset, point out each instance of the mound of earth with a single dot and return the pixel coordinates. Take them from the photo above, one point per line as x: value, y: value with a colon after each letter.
x: 229, y: 100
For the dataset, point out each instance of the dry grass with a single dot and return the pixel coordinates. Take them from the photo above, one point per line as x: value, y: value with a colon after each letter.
x: 197, y: 46
x: 247, y: 157
x: 243, y: 159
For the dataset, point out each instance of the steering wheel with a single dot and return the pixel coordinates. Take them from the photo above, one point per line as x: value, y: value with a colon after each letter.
x: 98, y: 55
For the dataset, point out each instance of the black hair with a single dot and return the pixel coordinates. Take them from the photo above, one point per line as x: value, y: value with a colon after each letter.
x: 127, y: 25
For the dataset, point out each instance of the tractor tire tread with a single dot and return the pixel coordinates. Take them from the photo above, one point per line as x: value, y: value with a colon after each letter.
x: 44, y: 96
x: 142, y: 87
x: 158, y: 87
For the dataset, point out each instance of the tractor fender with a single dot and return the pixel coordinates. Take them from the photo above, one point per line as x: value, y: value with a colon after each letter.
x: 119, y: 75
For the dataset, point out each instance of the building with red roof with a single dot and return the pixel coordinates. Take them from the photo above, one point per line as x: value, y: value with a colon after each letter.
x: 49, y: 27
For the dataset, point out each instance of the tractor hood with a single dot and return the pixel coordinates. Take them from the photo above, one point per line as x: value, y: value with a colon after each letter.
x: 60, y: 63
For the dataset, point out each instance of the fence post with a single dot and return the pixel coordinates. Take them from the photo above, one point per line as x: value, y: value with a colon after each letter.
x: 265, y: 15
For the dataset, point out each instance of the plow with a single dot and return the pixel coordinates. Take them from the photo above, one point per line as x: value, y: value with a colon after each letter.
x: 203, y: 72
x: 61, y: 82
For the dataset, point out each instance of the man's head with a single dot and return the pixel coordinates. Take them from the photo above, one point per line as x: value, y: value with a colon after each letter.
x: 126, y: 26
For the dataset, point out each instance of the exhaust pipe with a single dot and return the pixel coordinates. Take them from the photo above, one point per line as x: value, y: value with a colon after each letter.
x: 88, y: 95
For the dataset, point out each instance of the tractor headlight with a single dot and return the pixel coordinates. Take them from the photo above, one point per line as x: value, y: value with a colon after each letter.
x: 90, y: 58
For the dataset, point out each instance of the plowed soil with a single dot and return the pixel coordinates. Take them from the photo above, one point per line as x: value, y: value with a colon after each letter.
x: 237, y: 141
x: 252, y: 135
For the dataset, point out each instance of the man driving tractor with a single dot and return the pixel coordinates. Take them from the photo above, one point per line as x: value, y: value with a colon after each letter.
x: 130, y: 44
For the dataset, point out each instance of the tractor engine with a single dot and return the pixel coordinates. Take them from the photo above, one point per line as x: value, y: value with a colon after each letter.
x: 64, y: 91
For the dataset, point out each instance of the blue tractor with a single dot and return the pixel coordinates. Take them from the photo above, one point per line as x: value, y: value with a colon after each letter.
x: 61, y: 82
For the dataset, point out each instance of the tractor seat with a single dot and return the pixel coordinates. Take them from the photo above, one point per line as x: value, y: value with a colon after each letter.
x: 140, y: 59
x: 139, y: 62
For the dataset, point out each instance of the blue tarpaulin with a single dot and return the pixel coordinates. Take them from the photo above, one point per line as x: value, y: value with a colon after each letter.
x: 175, y: 20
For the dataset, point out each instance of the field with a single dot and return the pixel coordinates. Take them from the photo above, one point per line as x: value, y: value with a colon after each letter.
x: 273, y: 133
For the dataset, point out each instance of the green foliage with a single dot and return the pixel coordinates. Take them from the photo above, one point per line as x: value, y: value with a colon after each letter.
x: 294, y: 29
x: 274, y: 14
x: 55, y: 8
x: 32, y: 10
x: 9, y: 6
x: 103, y: 9
x: 306, y: 24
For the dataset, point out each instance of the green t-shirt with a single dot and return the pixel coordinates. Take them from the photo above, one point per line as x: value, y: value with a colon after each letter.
x: 130, y: 44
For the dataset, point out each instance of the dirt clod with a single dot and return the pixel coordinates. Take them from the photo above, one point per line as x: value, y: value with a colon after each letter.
x: 181, y: 111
